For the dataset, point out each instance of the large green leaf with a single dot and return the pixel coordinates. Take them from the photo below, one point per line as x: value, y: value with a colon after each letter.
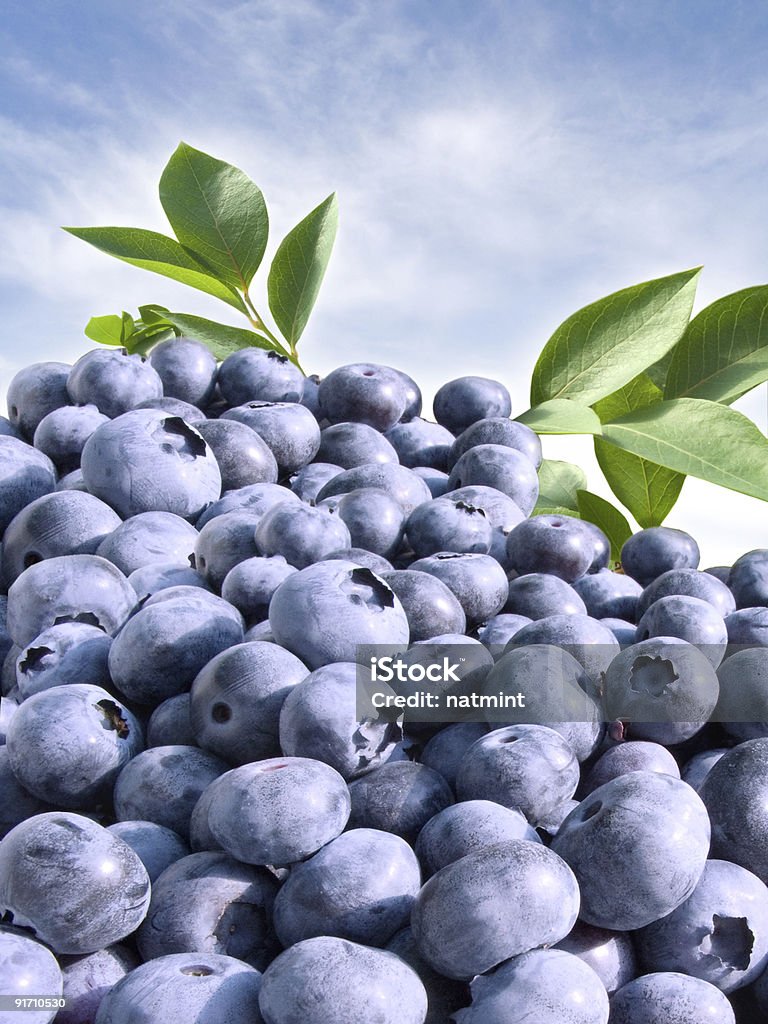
x: 298, y: 269
x: 561, y: 416
x: 221, y: 339
x: 106, y: 330
x: 216, y: 211
x: 699, y: 438
x: 604, y: 345
x: 611, y: 521
x: 152, y: 251
x: 648, y: 490
x: 559, y: 484
x: 724, y: 352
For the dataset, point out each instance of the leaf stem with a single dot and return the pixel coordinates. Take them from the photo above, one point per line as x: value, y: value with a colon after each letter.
x: 258, y: 323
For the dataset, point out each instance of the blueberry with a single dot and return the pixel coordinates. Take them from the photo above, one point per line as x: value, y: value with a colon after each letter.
x: 364, y: 393
x: 444, y: 525
x: 319, y: 719
x: 170, y: 724
x: 278, y: 811
x: 237, y: 697
x: 413, y: 397
x: 477, y: 581
x: 720, y: 572
x: 343, y: 982
x: 553, y: 544
x: 255, y: 498
x: 421, y: 443
x: 87, y: 979
x: 149, y: 579
x: 365, y: 559
x: 257, y: 375
x: 34, y: 392
x: 163, y: 784
x: 289, y: 430
x: 696, y: 770
x: 224, y: 543
x: 157, y: 846
x: 748, y: 579
x: 537, y: 595
x: 78, y: 886
x: 690, y: 619
x: 25, y: 474
x: 505, y: 469
x: 72, y: 481
x: 149, y: 538
x: 611, y: 955
x: 625, y: 632
x: 184, y: 987
x: 462, y: 402
x: 609, y: 595
x: 208, y: 903
x: 62, y: 523
x: 720, y: 933
x: 62, y: 433
x: 242, y: 456
x: 300, y: 533
x: 16, y: 803
x: 435, y: 479
x: 360, y: 887
x: 152, y: 657
x: 466, y: 827
x: 635, y: 756
x: 649, y: 553
x: 322, y: 614
x: 689, y: 583
x: 670, y: 998
x: 445, y: 750
x: 310, y: 480
x: 401, y: 483
x: 187, y: 369
x: 549, y: 986
x: 250, y: 584
x: 83, y: 588
x: 748, y: 627
x: 430, y: 606
x: 27, y: 968
x: 174, y: 407
x: 526, y: 767
x: 457, y: 922
x: 602, y: 547
x: 638, y: 846
x: 309, y: 397
x: 444, y: 996
x: 374, y: 518
x: 589, y: 641
x: 72, y: 652
x: 113, y: 381
x: 663, y: 683
x: 743, y: 702
x: 354, y: 444
x: 398, y: 797
x: 499, y: 431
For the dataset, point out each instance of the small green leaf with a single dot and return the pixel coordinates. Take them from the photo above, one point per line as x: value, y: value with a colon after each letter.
x: 217, y: 212
x: 559, y: 484
x: 561, y: 416
x: 649, y: 491
x: 724, y: 352
x: 221, y: 339
x: 699, y: 438
x: 128, y: 328
x: 298, y: 269
x: 105, y: 330
x: 607, y: 343
x: 611, y: 521
x: 152, y: 251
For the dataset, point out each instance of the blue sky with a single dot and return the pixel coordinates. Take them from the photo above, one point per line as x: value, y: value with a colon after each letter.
x: 498, y: 164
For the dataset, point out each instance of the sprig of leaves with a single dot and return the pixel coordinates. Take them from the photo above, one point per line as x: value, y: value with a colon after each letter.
x: 220, y: 221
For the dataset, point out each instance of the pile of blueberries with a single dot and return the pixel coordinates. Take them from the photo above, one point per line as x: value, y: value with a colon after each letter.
x: 198, y: 826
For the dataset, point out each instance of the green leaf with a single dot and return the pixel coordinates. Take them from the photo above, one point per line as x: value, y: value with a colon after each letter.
x: 648, y: 490
x: 221, y: 339
x: 555, y: 510
x: 724, y: 352
x: 606, y: 344
x: 561, y: 416
x: 216, y: 211
x: 298, y: 269
x: 128, y: 327
x: 160, y: 254
x: 611, y: 521
x: 559, y: 484
x: 700, y: 438
x: 105, y: 330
